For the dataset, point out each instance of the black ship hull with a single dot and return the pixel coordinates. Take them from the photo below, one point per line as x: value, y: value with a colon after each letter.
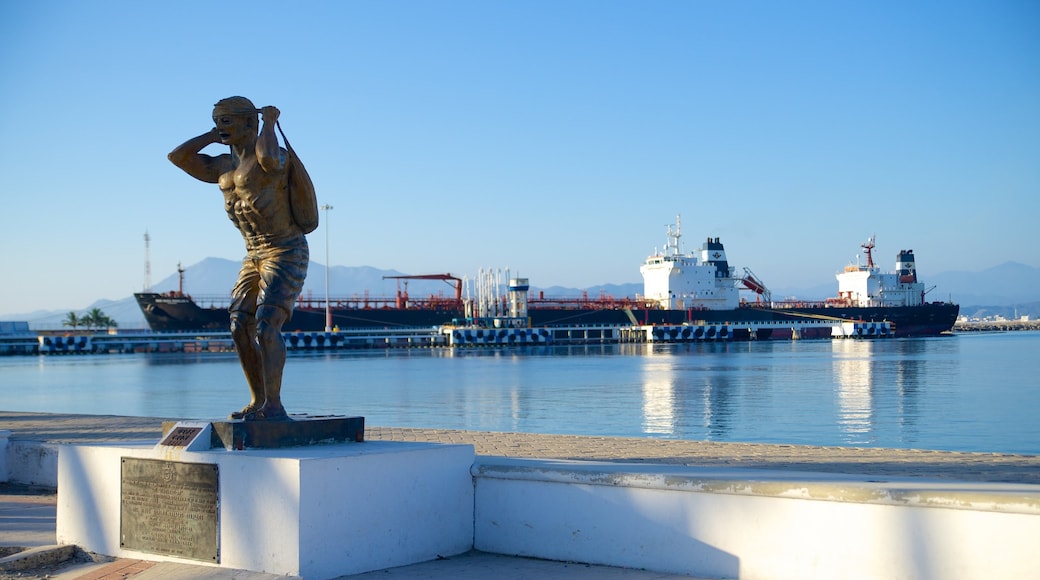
x: 165, y: 313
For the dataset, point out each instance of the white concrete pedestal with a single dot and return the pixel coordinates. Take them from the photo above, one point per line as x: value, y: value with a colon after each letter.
x: 318, y: 512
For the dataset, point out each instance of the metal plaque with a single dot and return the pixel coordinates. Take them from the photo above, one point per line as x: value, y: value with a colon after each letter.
x: 181, y: 436
x: 169, y: 508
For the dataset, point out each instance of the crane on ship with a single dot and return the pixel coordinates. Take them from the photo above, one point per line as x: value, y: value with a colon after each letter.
x: 402, y: 297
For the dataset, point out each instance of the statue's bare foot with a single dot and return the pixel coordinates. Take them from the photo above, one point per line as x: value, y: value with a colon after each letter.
x: 248, y: 409
x: 268, y: 412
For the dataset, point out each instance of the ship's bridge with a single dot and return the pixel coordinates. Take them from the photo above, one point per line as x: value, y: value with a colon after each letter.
x: 678, y: 281
x: 866, y: 286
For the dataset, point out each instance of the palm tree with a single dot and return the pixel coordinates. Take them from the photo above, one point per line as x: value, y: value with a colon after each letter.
x: 90, y: 318
x: 72, y: 320
x: 96, y: 318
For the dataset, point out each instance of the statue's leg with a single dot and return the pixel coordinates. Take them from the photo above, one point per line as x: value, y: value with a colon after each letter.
x: 281, y: 272
x: 243, y: 333
x: 243, y: 306
x: 270, y: 319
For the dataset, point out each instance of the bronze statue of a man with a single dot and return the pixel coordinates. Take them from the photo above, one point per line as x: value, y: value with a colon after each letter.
x: 270, y: 199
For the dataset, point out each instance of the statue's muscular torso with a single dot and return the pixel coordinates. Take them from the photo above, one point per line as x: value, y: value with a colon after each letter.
x: 258, y: 202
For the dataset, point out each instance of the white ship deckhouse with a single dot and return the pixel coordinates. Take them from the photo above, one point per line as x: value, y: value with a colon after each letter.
x: 679, y: 281
x: 866, y: 286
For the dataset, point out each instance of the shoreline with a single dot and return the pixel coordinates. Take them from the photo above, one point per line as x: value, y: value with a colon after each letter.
x: 997, y: 326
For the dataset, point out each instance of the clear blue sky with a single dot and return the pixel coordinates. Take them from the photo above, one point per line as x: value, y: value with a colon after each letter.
x: 553, y: 138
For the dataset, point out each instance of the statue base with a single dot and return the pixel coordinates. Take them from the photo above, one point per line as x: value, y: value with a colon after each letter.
x: 301, y: 430
x: 317, y: 511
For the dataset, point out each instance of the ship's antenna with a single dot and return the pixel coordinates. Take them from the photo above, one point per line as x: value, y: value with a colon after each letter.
x: 147, y: 262
x: 678, y: 233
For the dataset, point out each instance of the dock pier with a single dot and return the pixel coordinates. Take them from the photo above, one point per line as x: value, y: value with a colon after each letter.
x: 441, y: 336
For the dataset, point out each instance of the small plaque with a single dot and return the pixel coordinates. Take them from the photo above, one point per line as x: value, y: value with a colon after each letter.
x: 180, y: 436
x: 169, y: 508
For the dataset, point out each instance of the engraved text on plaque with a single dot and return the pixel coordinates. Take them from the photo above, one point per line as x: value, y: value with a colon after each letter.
x: 169, y: 508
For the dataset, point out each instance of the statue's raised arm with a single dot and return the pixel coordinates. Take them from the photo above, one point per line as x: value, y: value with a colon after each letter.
x: 202, y: 167
x: 268, y: 153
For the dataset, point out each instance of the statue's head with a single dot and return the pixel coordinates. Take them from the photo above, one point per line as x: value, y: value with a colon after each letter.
x: 236, y: 107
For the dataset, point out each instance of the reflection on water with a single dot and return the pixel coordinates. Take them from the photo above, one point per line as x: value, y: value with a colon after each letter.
x: 689, y: 389
x: 717, y: 400
x: 852, y: 372
x: 659, y: 397
x: 972, y: 393
x: 869, y: 397
x: 877, y: 385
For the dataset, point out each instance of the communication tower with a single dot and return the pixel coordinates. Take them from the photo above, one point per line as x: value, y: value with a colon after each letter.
x: 147, y: 262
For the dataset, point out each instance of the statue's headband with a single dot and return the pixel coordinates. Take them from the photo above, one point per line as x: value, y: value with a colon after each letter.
x: 235, y: 106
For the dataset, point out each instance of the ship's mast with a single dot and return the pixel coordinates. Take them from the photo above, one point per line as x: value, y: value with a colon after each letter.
x: 674, y: 235
x: 867, y: 247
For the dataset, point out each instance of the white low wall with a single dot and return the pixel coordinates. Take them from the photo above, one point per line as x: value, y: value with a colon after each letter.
x: 750, y: 524
x: 32, y: 463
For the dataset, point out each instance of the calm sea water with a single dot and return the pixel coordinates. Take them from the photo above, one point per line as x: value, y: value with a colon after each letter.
x: 970, y: 392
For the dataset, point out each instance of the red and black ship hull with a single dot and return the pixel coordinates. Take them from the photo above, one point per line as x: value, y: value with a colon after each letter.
x: 179, y: 313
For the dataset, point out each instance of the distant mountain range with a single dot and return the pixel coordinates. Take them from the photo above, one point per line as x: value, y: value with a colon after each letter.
x: 1008, y: 290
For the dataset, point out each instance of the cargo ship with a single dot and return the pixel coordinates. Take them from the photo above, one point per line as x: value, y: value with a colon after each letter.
x: 678, y: 288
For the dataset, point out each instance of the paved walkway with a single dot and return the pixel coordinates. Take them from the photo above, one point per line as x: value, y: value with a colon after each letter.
x: 978, y: 467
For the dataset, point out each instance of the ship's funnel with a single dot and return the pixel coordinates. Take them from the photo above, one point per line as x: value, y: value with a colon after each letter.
x: 905, y: 267
x: 713, y: 252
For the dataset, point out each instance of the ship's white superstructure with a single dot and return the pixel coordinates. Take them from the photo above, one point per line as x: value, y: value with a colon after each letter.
x: 680, y: 281
x: 866, y: 286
